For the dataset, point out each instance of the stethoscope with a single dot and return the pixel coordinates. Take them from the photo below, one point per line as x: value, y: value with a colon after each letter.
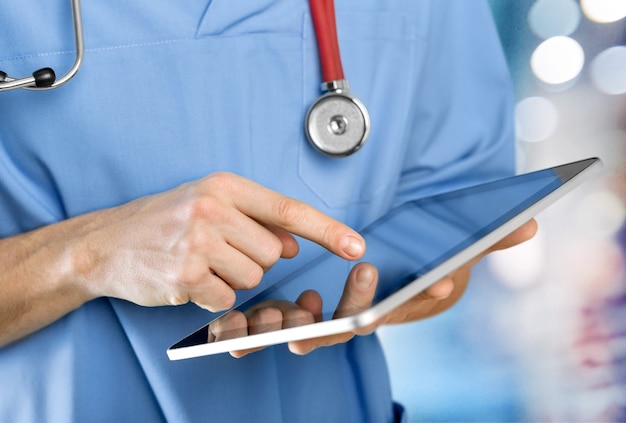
x: 337, y: 124
x: 45, y: 78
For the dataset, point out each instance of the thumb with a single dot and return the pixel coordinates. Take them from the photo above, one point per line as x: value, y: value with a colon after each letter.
x: 357, y: 296
x: 359, y: 290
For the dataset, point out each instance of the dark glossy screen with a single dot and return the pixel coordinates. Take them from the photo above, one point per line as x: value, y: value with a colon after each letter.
x: 418, y: 236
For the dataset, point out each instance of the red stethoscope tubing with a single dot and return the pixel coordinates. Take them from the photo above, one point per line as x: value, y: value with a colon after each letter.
x: 324, y: 22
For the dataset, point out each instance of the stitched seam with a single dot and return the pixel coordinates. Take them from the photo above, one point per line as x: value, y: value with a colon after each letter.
x: 180, y: 40
x: 118, y: 47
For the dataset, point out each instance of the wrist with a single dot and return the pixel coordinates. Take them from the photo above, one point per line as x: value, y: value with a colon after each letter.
x: 66, y: 261
x: 78, y: 265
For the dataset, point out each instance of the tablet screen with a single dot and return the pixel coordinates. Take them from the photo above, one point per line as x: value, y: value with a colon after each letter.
x: 414, y: 239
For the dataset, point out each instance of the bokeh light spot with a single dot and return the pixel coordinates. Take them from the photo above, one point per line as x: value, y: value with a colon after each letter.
x: 536, y: 119
x: 521, y: 266
x: 604, y: 11
x: 549, y: 18
x: 608, y: 70
x: 557, y: 60
x: 601, y: 214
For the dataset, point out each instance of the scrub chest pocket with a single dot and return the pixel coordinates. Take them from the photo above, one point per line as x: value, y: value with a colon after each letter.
x: 377, y: 47
x: 380, y: 49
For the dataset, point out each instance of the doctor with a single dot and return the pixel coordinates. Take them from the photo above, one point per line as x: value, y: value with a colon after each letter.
x: 174, y: 170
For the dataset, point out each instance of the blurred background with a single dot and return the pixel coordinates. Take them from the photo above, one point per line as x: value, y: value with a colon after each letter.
x: 540, y: 335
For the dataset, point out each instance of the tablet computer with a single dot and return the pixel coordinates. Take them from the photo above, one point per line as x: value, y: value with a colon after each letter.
x: 413, y: 246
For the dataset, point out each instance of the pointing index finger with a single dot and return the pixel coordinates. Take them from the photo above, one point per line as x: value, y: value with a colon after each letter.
x: 271, y: 208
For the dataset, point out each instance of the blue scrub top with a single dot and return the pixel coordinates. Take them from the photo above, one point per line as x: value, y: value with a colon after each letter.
x: 170, y: 92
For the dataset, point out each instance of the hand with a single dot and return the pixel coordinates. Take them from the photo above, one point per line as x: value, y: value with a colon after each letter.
x: 199, y: 242
x: 446, y: 292
x: 273, y: 315
x: 357, y: 296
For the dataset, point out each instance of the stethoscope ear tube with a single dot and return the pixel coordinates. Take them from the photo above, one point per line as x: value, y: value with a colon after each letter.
x: 325, y: 24
x: 338, y: 123
x: 45, y: 78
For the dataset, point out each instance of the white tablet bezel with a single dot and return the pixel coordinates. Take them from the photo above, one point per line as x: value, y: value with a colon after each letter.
x: 380, y: 309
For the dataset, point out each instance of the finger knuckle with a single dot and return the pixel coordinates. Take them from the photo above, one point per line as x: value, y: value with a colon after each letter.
x: 231, y: 320
x: 266, y: 316
x: 177, y: 298
x: 191, y: 242
x: 219, y: 301
x: 288, y: 212
x: 226, y: 299
x: 253, y: 278
x: 202, y: 206
x: 299, y: 317
x: 329, y: 234
x: 220, y: 184
x: 207, y: 197
x: 272, y: 250
x: 190, y: 275
x: 221, y: 181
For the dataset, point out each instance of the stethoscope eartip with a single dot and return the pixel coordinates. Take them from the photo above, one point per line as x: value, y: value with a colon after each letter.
x: 44, y: 77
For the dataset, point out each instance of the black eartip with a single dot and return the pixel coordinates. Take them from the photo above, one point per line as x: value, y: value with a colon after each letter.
x: 44, y: 77
x: 3, y: 76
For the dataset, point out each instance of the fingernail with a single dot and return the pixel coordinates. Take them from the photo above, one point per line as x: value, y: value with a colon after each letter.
x: 364, y: 278
x: 352, y: 246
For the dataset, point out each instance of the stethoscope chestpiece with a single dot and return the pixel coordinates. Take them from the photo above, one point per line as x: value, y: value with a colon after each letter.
x: 338, y: 123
